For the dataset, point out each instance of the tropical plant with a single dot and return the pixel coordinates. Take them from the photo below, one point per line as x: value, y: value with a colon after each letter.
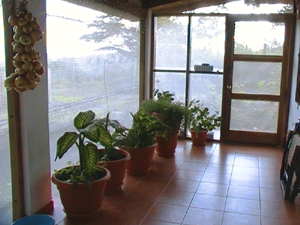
x: 87, y: 170
x: 110, y: 133
x: 200, y: 119
x: 170, y: 112
x: 143, y: 130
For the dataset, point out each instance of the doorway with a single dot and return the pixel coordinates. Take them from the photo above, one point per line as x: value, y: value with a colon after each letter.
x: 257, y: 76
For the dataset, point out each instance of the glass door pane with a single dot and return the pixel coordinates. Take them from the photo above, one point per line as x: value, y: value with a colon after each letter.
x: 255, y: 116
x: 256, y: 77
x: 5, y: 172
x: 259, y: 38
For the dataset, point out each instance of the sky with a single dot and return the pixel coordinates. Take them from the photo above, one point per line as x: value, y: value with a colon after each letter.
x: 63, y: 34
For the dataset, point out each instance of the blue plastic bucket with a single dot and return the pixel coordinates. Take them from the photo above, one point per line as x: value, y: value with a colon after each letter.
x: 38, y: 219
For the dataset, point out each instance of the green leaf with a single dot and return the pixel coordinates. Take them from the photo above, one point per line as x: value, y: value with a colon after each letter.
x: 91, y: 132
x: 64, y: 143
x: 115, y: 124
x: 105, y: 138
x: 89, y: 156
x: 83, y: 119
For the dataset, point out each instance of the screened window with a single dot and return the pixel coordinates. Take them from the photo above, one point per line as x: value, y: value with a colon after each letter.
x: 207, y: 41
x: 93, y: 64
x: 180, y: 50
x: 170, y: 42
x: 5, y: 172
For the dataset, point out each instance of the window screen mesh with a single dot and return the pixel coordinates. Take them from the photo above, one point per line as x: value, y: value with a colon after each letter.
x: 5, y: 173
x: 93, y: 64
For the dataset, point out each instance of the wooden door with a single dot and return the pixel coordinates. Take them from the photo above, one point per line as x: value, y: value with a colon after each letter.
x: 257, y: 77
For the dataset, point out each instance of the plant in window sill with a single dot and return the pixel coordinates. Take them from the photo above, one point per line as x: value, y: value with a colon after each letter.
x: 110, y: 131
x: 140, y: 141
x: 171, y: 114
x: 81, y: 184
x: 164, y: 107
x: 143, y: 130
x: 200, y: 121
x: 115, y: 159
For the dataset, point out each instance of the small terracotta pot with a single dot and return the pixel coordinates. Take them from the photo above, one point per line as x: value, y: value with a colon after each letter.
x: 198, y: 137
x: 166, y: 147
x: 117, y: 171
x: 140, y: 161
x: 82, y: 202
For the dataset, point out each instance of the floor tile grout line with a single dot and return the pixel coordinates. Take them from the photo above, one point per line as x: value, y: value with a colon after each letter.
x: 165, y: 188
x: 213, y: 154
x: 228, y: 189
x: 195, y: 192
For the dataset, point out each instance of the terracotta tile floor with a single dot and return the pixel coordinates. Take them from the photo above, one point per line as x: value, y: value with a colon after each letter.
x: 216, y: 184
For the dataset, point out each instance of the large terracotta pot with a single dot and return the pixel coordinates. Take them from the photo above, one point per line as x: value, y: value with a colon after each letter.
x: 82, y: 202
x: 166, y: 147
x: 198, y: 137
x: 140, y: 161
x: 117, y: 171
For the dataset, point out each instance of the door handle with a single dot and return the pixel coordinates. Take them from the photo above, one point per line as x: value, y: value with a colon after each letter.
x: 228, y: 87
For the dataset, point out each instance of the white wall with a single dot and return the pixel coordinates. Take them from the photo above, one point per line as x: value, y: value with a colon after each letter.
x: 294, y: 112
x: 35, y: 132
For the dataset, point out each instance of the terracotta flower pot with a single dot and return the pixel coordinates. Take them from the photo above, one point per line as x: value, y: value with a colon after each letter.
x: 166, y: 147
x: 140, y: 161
x: 198, y: 137
x: 117, y: 171
x: 82, y: 202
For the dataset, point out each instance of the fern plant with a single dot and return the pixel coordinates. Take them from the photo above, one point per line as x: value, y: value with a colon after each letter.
x: 143, y: 130
x: 170, y: 112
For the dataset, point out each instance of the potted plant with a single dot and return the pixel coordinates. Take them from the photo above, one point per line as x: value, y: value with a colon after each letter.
x: 200, y: 122
x: 140, y: 142
x: 81, y: 186
x: 114, y: 159
x: 171, y: 114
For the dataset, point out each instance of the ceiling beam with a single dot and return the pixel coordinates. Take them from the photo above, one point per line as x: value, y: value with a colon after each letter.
x: 152, y: 4
x: 179, y: 8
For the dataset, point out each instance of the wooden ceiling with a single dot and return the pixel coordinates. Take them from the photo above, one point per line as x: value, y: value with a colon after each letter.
x: 161, y: 4
x: 177, y: 6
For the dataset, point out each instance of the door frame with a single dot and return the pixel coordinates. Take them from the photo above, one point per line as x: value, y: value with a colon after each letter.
x: 283, y: 99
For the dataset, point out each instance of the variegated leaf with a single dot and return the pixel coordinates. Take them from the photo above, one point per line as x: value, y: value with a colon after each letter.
x: 64, y: 143
x: 89, y: 156
x: 83, y: 118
